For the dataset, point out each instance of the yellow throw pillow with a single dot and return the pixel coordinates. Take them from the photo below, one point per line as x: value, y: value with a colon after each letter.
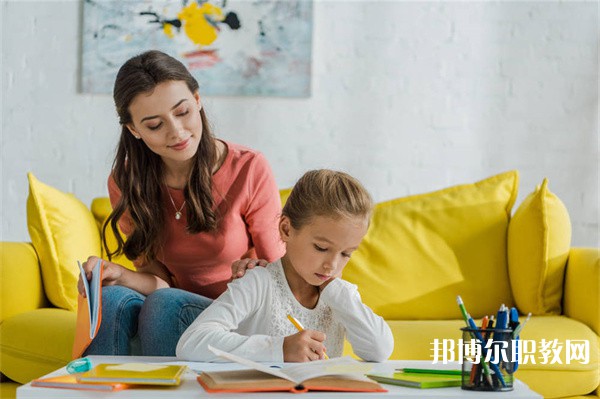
x: 62, y: 230
x: 539, y: 240
x: 422, y: 251
x: 284, y: 194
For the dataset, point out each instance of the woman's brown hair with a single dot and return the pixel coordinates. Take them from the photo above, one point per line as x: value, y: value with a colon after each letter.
x: 138, y: 171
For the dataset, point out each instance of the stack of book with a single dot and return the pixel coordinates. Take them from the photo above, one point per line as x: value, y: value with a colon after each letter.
x: 114, y: 377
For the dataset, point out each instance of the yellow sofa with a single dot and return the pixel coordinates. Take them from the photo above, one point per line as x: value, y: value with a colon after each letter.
x: 420, y: 252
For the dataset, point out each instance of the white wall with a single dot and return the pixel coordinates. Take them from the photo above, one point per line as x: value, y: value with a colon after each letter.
x: 407, y: 96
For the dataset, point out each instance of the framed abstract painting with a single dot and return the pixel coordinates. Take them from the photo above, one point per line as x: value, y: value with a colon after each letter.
x: 233, y: 48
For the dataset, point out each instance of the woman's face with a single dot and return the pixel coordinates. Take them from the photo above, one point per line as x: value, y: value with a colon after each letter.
x: 168, y: 121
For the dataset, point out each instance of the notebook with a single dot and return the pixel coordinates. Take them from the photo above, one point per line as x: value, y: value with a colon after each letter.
x: 135, y: 373
x: 341, y: 374
x: 418, y: 380
x: 89, y: 310
x: 69, y: 381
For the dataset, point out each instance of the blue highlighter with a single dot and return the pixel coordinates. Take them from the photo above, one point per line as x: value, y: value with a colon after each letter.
x: 79, y: 365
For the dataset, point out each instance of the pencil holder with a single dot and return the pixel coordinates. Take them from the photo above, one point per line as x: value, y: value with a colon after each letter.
x: 488, y: 361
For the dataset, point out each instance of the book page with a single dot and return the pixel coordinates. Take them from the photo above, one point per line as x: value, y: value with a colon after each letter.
x: 92, y: 294
x: 250, y: 363
x: 86, y: 287
x: 338, y: 366
x: 94, y: 297
x: 303, y: 371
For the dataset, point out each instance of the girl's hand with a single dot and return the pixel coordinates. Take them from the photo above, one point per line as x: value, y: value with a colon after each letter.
x: 239, y: 267
x: 305, y: 346
x: 110, y: 274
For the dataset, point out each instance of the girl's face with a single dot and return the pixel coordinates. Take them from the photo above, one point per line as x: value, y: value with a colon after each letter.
x: 168, y: 121
x: 320, y: 249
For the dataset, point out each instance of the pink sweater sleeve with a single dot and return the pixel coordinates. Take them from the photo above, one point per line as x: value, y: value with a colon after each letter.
x: 264, y: 211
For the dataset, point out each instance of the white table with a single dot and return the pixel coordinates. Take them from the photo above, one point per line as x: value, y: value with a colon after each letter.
x: 190, y: 388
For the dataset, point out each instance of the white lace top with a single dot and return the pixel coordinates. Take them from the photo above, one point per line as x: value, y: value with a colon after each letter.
x: 250, y: 320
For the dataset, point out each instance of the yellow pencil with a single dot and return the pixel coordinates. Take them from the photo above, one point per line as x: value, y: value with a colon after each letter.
x: 299, y: 327
x: 295, y: 322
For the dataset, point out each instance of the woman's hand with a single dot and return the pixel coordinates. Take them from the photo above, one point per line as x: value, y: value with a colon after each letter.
x: 305, y: 346
x: 110, y: 274
x: 239, y: 267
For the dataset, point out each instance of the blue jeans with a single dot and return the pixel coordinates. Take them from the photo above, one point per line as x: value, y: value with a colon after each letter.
x: 133, y: 324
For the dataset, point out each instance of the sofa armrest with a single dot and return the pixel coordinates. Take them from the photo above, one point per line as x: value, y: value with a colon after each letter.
x: 21, y: 288
x: 582, y: 287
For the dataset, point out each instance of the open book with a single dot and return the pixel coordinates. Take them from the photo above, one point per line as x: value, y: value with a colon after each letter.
x: 89, y: 310
x: 340, y: 374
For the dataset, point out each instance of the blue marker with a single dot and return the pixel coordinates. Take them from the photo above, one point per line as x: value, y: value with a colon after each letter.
x: 502, y: 318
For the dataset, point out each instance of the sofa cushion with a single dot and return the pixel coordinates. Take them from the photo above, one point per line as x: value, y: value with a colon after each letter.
x: 35, y: 343
x: 20, y: 279
x: 8, y: 390
x: 539, y: 239
x: 422, y: 251
x: 63, y: 231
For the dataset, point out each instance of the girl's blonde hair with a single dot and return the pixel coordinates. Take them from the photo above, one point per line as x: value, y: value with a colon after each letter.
x: 325, y: 192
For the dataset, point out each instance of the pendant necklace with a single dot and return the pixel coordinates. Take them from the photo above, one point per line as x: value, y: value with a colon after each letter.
x: 177, y: 212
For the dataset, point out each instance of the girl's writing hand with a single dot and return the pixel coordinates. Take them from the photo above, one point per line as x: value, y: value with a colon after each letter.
x: 239, y: 267
x: 304, y: 346
x: 110, y: 274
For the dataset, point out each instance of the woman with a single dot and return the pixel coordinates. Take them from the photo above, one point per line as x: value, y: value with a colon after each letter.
x: 189, y: 204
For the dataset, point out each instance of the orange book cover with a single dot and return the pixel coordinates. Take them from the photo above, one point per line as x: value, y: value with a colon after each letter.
x: 70, y: 381
x: 89, y: 310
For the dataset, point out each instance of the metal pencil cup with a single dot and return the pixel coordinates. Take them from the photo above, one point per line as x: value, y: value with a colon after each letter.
x: 488, y: 359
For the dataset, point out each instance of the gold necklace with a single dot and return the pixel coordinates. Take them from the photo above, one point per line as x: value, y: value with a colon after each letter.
x: 177, y: 212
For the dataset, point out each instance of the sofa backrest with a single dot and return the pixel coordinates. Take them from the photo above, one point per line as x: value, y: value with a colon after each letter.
x: 422, y: 251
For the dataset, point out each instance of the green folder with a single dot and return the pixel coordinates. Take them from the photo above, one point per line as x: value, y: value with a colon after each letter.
x: 417, y: 380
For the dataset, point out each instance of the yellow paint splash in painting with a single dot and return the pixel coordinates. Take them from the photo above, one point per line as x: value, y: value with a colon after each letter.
x: 168, y: 30
x: 196, y: 25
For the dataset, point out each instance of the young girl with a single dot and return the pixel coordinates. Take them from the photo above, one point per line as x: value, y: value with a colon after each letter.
x: 322, y: 223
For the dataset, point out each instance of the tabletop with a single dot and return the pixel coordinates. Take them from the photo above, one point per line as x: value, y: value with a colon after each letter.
x: 190, y: 388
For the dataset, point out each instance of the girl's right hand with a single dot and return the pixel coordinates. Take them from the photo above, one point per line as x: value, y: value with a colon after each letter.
x: 304, y: 346
x: 110, y: 274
